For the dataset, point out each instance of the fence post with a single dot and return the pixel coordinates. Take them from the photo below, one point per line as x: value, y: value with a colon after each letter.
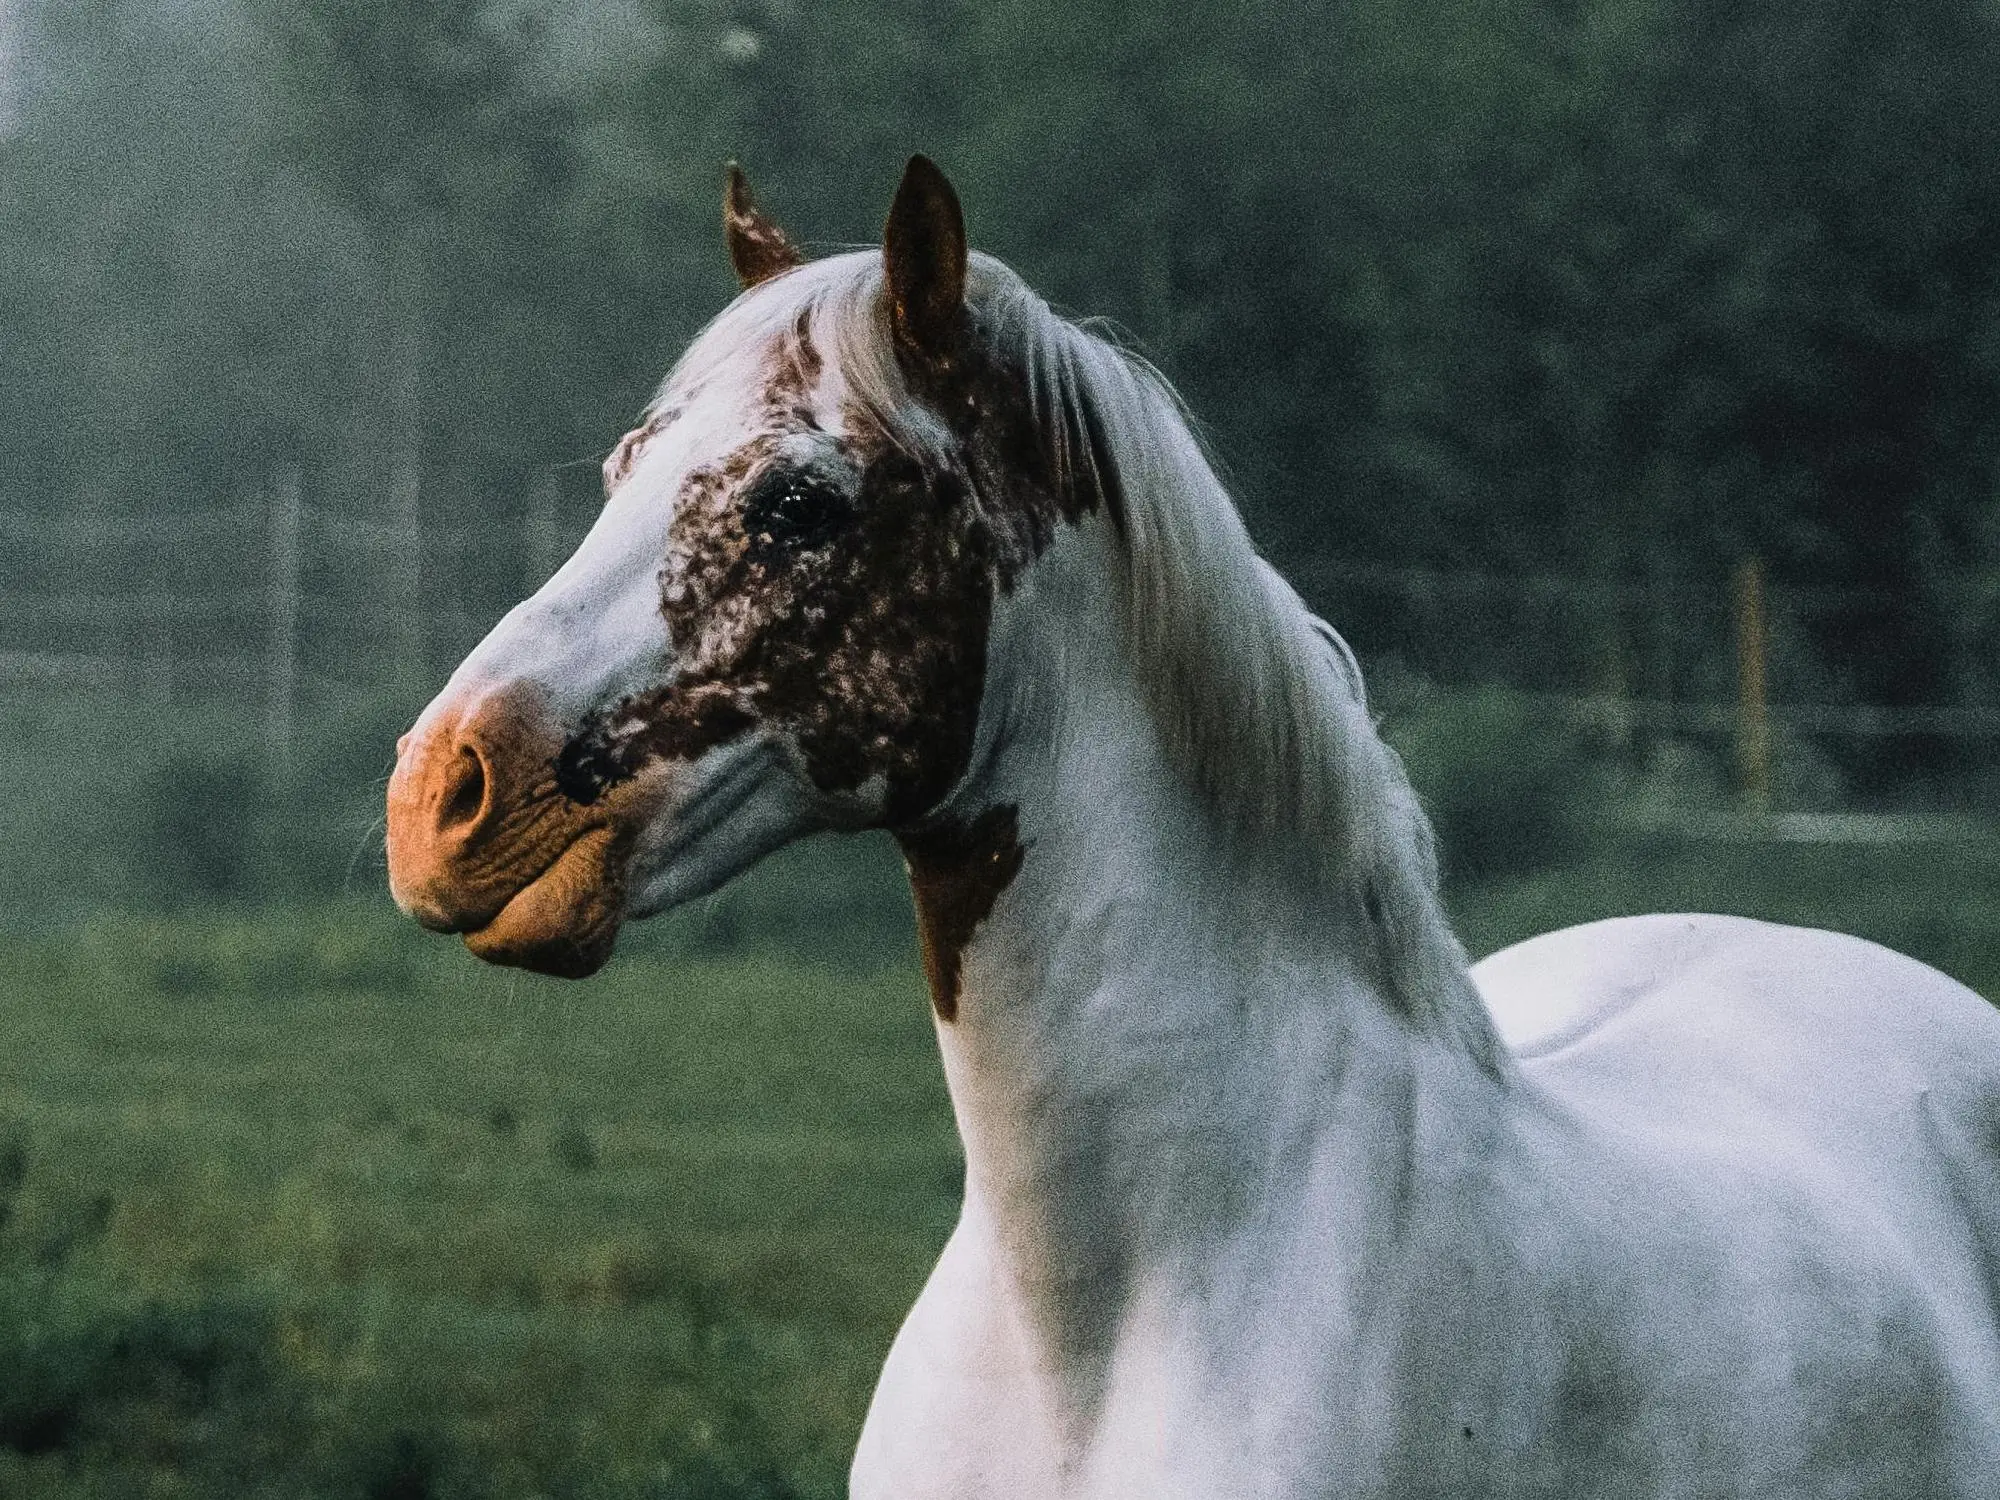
x: 1753, y: 718
x: 281, y: 643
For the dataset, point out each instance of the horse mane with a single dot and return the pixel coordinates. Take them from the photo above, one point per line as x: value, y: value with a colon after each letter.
x: 1259, y: 702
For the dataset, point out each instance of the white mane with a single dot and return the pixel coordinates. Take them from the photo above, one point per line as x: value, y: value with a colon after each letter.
x: 1257, y: 700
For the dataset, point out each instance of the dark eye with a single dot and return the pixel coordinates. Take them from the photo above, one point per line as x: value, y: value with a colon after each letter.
x: 791, y: 510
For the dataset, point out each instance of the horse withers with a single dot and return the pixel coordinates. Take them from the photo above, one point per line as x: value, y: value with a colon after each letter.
x: 1267, y: 1193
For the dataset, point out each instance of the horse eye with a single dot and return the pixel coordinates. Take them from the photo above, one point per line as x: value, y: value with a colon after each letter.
x: 792, y: 510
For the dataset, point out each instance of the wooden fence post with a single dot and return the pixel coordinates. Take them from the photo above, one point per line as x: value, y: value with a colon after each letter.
x: 281, y: 646
x: 1753, y: 718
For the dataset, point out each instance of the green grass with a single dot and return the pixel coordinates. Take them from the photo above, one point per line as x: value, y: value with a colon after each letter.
x: 308, y: 1205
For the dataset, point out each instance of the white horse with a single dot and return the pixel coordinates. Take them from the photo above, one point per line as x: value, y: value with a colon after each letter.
x: 1267, y: 1194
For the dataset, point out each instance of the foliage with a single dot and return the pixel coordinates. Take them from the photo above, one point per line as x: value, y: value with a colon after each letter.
x: 1508, y: 790
x: 1616, y: 290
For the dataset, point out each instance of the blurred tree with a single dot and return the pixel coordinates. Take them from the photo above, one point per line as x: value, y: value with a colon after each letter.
x: 1849, y: 149
x: 421, y: 120
x: 1610, y: 289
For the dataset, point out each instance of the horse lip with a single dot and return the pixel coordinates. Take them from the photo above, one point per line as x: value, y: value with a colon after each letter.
x: 444, y: 904
x: 432, y: 919
x: 563, y: 921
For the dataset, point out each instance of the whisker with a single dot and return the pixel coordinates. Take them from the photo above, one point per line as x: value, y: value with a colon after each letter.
x: 373, y: 838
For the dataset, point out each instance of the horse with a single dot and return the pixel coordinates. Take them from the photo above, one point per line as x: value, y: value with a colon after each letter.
x: 1268, y: 1192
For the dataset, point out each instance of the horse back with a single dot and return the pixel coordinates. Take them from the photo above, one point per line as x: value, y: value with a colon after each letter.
x: 1821, y: 1116
x: 1760, y: 1040
x: 1779, y: 1012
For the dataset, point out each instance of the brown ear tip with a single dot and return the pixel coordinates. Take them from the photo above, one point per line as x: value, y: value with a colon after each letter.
x: 758, y: 248
x: 928, y: 177
x: 926, y: 195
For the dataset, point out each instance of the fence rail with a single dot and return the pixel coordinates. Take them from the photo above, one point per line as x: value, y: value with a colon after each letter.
x: 1324, y: 573
x: 270, y: 626
x: 1860, y: 721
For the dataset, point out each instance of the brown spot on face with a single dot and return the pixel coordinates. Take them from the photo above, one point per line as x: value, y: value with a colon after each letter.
x: 957, y: 871
x: 846, y: 613
x: 794, y: 374
x: 1031, y: 469
x: 665, y: 726
x: 838, y: 592
x: 624, y: 458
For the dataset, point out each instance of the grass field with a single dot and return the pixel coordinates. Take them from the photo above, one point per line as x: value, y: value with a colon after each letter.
x: 305, y: 1204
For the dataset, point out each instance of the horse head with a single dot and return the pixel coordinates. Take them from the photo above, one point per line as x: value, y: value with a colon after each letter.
x: 779, y: 623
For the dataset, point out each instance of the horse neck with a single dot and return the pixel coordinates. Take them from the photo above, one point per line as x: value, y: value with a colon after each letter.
x: 1151, y: 1035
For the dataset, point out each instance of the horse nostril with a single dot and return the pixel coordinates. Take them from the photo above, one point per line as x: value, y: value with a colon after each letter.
x: 465, y: 795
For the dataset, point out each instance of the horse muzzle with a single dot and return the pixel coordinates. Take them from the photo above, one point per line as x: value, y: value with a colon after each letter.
x: 483, y: 842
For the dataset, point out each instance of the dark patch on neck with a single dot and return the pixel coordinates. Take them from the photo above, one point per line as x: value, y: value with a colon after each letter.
x: 957, y: 871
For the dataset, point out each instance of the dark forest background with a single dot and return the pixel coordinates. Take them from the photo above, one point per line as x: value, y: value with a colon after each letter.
x: 1519, y: 325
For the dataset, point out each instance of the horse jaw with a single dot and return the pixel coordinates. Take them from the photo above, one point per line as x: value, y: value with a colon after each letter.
x: 742, y: 805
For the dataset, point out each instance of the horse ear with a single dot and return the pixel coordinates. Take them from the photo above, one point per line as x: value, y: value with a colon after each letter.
x: 758, y: 248
x: 923, y: 255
